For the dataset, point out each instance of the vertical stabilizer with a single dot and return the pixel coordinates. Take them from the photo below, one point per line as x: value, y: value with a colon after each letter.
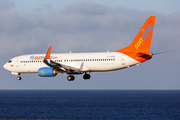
x: 142, y: 41
x: 140, y: 46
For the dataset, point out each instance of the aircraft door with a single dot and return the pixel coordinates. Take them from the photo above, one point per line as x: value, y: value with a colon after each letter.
x: 122, y: 60
x: 17, y: 63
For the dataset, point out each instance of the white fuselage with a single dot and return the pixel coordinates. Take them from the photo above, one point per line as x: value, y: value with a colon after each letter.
x: 92, y: 62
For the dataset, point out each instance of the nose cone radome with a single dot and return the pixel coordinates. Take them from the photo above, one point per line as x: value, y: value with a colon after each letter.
x: 5, y: 66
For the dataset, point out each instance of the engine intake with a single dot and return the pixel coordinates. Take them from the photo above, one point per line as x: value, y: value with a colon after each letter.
x: 47, y: 72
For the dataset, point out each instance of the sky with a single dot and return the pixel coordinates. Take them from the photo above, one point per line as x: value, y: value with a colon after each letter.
x: 31, y: 26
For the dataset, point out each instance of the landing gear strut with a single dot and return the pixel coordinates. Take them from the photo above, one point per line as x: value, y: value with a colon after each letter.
x: 19, y: 77
x: 86, y: 76
x: 70, y: 78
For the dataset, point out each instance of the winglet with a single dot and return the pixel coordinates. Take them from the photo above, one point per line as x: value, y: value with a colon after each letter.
x: 48, y: 54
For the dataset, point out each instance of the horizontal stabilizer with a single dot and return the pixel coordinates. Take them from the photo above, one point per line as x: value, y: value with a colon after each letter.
x: 144, y: 55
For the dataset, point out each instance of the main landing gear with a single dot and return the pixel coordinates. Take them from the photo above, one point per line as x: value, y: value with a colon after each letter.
x: 85, y: 76
x: 70, y: 78
x: 19, y: 77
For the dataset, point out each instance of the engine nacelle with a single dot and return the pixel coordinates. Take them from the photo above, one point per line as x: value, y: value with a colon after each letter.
x: 47, y: 72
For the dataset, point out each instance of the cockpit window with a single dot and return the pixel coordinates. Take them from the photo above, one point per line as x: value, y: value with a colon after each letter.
x: 9, y: 61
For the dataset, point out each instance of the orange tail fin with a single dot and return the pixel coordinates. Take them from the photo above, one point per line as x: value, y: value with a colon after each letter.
x: 142, y: 42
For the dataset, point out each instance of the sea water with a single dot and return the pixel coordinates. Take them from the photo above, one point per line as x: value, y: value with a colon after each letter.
x: 90, y: 104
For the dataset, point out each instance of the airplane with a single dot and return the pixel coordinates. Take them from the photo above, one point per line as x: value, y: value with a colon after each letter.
x: 49, y: 65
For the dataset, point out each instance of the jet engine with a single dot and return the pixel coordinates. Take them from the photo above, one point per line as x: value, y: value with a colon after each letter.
x: 47, y: 72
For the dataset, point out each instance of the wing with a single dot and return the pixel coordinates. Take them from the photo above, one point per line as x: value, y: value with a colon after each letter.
x: 66, y: 68
x: 61, y: 68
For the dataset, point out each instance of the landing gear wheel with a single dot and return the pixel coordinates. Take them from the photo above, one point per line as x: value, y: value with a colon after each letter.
x: 70, y: 78
x: 86, y: 76
x: 19, y: 78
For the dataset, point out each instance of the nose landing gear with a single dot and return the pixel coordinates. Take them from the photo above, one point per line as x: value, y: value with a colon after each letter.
x: 19, y: 77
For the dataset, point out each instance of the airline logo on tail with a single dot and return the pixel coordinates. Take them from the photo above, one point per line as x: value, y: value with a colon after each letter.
x: 140, y: 46
x: 143, y: 38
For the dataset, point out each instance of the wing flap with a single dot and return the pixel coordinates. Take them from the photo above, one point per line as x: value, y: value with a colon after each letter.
x: 66, y: 68
x: 61, y: 67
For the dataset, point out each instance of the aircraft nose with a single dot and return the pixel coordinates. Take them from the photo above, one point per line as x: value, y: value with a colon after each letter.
x: 5, y: 66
